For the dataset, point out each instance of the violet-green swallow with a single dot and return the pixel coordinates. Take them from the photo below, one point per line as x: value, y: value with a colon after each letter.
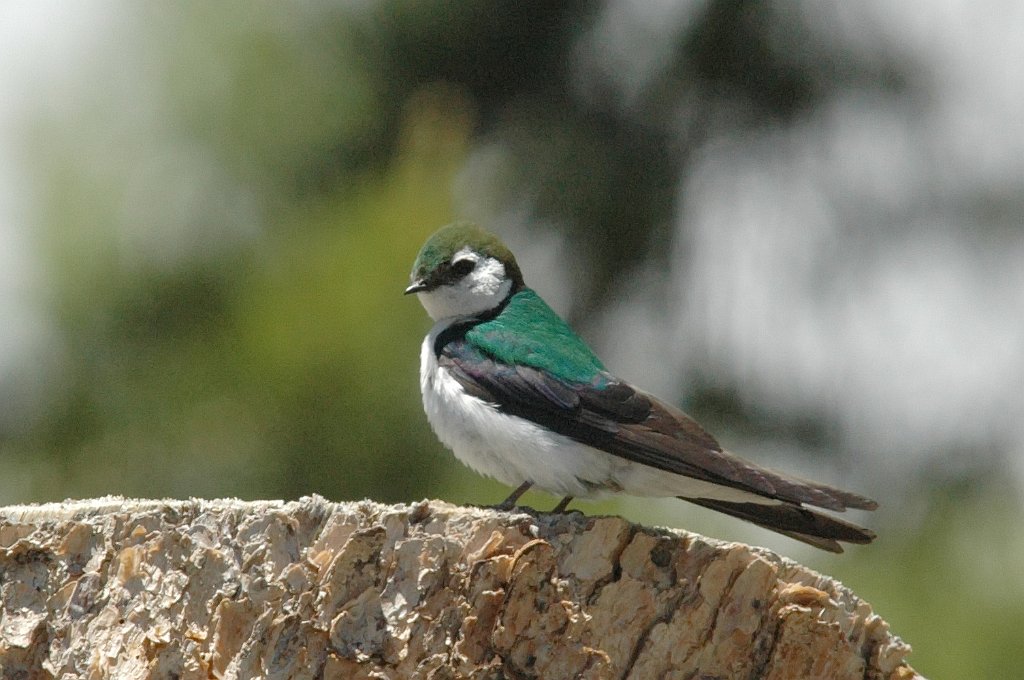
x: 519, y: 397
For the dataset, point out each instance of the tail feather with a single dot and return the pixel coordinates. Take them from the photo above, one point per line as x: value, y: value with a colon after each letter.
x: 795, y: 521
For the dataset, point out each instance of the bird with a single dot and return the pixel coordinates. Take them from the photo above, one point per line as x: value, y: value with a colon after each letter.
x: 518, y: 396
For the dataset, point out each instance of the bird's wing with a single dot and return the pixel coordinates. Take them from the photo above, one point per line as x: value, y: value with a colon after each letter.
x: 613, y: 416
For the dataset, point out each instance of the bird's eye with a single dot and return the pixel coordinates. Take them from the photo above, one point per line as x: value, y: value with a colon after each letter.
x: 462, y: 267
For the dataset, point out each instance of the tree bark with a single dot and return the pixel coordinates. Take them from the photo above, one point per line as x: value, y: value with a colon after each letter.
x: 120, y: 588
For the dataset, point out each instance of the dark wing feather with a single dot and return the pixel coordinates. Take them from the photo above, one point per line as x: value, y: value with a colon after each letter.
x: 795, y: 521
x: 615, y: 417
x: 669, y: 438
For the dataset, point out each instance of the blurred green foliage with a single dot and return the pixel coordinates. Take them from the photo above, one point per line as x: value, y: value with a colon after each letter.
x: 227, y: 238
x: 949, y: 584
x: 295, y: 352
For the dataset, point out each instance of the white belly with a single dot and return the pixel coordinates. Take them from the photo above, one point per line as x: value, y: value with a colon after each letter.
x: 514, y: 450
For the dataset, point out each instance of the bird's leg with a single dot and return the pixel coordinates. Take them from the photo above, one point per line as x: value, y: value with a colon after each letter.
x: 510, y: 502
x: 562, y: 505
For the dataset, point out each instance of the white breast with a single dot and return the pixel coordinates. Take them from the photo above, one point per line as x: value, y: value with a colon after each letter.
x: 507, y: 448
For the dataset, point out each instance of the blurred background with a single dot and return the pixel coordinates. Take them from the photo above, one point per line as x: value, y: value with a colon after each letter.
x: 801, y: 221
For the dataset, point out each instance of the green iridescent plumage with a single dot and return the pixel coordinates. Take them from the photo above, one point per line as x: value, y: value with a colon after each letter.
x: 529, y: 333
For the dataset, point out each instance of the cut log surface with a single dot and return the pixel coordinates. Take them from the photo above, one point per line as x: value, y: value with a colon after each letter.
x: 123, y: 588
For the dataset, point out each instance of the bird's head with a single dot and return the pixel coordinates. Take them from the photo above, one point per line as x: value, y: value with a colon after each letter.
x: 463, y: 270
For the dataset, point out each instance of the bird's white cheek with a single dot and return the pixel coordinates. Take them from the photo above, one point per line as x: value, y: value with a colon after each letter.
x: 464, y: 299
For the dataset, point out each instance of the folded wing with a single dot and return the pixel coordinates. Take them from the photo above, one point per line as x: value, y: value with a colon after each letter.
x: 613, y: 416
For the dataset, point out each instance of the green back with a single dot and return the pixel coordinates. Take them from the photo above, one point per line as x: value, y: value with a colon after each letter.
x: 529, y: 332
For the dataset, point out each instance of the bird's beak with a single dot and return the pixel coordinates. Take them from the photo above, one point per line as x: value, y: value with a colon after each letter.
x: 416, y: 286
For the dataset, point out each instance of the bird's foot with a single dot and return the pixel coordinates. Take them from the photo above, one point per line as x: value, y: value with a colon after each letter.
x: 510, y: 502
x: 562, y: 505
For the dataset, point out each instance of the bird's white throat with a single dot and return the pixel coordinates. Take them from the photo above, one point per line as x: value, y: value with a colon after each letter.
x: 481, y: 290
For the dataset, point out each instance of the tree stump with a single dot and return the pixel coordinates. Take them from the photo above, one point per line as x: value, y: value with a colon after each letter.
x: 123, y: 588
